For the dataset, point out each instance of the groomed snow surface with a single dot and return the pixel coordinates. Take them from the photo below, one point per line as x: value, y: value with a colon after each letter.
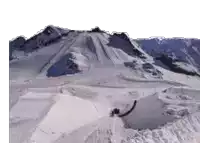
x: 64, y: 92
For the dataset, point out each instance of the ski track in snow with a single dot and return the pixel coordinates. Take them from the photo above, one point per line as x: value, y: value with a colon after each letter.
x: 75, y: 108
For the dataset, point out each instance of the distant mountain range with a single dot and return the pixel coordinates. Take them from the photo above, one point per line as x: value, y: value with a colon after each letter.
x: 181, y: 52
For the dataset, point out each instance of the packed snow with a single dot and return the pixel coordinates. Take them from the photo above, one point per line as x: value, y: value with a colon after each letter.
x: 64, y: 91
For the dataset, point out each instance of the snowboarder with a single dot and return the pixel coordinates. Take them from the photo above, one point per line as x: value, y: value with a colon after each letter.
x: 116, y: 111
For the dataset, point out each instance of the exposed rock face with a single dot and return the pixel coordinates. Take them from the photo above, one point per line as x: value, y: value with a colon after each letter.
x: 48, y: 36
x: 16, y: 44
x: 64, y: 66
x: 172, y: 64
x: 146, y: 68
x: 97, y: 29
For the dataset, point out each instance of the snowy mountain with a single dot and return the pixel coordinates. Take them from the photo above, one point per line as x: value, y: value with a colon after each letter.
x: 65, y: 83
x: 49, y: 35
x: 184, y: 51
x: 60, y: 53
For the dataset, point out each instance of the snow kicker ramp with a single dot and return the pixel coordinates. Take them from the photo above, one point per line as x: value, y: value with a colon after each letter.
x: 149, y: 124
x: 59, y: 114
x: 44, y: 117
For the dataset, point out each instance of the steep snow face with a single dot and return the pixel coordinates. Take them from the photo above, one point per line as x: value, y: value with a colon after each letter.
x: 77, y: 52
x: 183, y: 52
x: 30, y: 64
x: 96, y: 49
x: 49, y: 35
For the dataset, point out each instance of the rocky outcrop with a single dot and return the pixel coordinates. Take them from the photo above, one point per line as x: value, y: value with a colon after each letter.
x: 47, y: 36
x: 16, y: 44
x: 173, y: 66
x: 147, y: 68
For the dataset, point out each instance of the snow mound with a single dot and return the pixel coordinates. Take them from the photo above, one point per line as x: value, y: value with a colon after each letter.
x: 148, y: 117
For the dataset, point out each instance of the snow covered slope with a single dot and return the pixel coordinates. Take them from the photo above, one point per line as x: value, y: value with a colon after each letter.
x: 49, y: 35
x: 184, y: 50
x: 76, y: 51
x: 64, y: 83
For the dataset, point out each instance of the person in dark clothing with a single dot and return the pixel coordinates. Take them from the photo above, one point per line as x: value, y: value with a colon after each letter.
x: 116, y: 111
